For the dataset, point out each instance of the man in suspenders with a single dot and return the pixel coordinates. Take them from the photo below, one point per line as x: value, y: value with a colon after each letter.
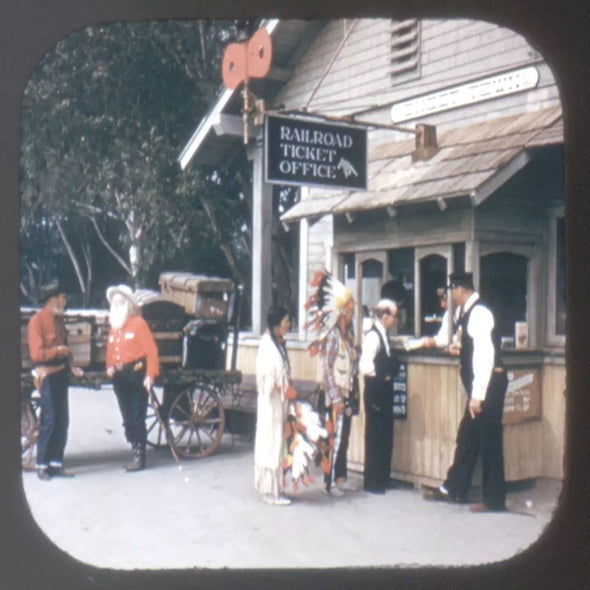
x: 485, y: 381
x: 379, y: 367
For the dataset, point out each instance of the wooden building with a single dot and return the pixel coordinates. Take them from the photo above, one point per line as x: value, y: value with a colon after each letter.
x: 465, y: 172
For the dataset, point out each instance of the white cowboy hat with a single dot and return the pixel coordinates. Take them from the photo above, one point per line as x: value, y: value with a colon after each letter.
x: 123, y: 290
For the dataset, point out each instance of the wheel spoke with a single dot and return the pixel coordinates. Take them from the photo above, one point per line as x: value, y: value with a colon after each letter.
x: 196, y: 422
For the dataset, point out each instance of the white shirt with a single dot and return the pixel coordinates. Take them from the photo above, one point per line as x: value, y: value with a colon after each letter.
x: 479, y: 327
x: 441, y: 338
x: 371, y: 345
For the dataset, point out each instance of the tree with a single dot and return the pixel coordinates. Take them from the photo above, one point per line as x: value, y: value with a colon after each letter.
x: 104, y: 117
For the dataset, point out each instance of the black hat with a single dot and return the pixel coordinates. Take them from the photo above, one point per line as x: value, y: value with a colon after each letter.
x: 461, y: 279
x: 395, y: 291
x: 51, y: 289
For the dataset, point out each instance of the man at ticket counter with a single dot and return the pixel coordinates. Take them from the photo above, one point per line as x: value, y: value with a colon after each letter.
x: 379, y: 367
x: 485, y: 381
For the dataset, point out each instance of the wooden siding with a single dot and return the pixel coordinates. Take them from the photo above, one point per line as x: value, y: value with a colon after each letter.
x: 553, y: 434
x: 425, y: 442
x: 453, y: 51
x: 303, y: 366
x: 375, y: 230
x: 320, y: 234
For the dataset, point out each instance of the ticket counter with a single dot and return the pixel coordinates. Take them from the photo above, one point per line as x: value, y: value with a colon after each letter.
x: 424, y: 441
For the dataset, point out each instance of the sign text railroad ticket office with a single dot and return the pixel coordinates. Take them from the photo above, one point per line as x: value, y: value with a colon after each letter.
x: 303, y: 152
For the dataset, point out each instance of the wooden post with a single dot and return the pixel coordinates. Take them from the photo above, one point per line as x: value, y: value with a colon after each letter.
x: 303, y: 259
x: 261, y: 241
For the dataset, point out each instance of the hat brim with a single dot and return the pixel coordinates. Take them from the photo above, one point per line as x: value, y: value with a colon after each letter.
x: 45, y: 298
x: 112, y: 291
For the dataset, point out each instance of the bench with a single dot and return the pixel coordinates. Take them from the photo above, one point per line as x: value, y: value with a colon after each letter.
x: 240, y: 409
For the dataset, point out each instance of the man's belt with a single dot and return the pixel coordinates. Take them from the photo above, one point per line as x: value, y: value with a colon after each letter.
x: 137, y: 365
x: 41, y: 372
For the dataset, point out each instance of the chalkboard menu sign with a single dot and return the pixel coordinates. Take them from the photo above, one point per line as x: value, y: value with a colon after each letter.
x: 523, y: 396
x: 400, y: 392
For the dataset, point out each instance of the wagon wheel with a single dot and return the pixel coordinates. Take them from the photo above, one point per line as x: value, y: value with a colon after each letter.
x: 29, y: 432
x: 196, y: 422
x: 156, y: 436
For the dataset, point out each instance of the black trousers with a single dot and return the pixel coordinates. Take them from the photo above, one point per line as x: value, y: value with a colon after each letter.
x: 55, y: 419
x: 378, y: 436
x: 341, y: 428
x: 133, y: 403
x: 481, y: 436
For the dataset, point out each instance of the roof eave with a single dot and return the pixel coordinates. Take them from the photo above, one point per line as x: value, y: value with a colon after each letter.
x: 207, y: 124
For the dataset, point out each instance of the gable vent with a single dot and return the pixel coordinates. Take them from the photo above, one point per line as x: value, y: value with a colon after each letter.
x: 405, y: 49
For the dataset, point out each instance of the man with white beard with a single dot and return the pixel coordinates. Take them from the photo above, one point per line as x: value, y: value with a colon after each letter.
x: 51, y: 356
x: 132, y: 363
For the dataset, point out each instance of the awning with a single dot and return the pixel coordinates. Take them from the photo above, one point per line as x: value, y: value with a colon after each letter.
x: 473, y: 161
x: 218, y: 138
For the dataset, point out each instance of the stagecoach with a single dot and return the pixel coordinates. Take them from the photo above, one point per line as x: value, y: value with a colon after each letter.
x: 191, y: 317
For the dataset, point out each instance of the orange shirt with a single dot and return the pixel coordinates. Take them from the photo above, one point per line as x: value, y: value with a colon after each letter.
x: 132, y: 342
x: 45, y: 333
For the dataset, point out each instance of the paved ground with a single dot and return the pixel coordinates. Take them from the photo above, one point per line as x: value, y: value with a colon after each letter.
x: 209, y: 516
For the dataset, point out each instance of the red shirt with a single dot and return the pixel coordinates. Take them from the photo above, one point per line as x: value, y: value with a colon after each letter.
x: 132, y: 342
x: 45, y: 333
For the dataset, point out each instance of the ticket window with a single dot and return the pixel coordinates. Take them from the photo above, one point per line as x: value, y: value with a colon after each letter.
x: 433, y: 275
x: 503, y: 285
x: 371, y: 269
x: 400, y: 286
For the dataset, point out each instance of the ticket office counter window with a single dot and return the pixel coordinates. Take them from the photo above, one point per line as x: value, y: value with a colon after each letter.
x: 433, y: 275
x: 414, y: 274
x: 503, y: 285
x: 400, y: 285
x: 407, y: 275
x: 556, y: 294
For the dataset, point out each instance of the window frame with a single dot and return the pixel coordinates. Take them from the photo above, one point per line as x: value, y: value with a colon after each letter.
x: 552, y: 338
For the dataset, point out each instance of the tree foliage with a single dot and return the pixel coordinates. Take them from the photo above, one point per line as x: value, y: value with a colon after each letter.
x: 104, y: 117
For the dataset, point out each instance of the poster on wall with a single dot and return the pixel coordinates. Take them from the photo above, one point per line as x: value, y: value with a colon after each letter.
x: 523, y: 396
x: 400, y: 392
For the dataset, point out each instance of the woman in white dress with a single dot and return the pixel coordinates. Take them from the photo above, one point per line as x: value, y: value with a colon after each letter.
x: 272, y: 382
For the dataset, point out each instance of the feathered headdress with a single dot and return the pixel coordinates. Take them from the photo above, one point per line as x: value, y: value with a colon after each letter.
x: 325, y: 305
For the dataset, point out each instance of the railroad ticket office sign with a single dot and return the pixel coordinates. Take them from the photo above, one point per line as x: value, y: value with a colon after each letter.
x: 523, y: 396
x: 304, y: 152
x: 400, y: 392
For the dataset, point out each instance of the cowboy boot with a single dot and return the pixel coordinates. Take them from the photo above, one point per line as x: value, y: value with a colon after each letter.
x: 138, y: 462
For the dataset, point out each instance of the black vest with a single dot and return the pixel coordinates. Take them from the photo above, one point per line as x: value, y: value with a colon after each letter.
x: 467, y: 348
x: 386, y: 367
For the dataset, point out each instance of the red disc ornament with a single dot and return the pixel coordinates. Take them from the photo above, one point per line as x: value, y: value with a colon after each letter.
x: 242, y: 61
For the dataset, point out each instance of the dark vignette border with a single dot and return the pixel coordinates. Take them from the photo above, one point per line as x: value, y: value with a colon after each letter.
x: 559, y: 30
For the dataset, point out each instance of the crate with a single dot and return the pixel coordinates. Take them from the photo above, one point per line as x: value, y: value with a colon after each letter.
x: 100, y: 337
x: 80, y: 331
x: 201, y: 296
x: 166, y: 320
x: 204, y: 344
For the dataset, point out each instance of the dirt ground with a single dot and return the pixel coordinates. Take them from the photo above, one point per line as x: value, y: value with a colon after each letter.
x: 209, y: 516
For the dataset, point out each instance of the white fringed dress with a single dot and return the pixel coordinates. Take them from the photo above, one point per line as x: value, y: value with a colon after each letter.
x: 272, y: 380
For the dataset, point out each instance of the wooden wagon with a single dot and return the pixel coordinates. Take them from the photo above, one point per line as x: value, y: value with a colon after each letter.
x: 189, y: 318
